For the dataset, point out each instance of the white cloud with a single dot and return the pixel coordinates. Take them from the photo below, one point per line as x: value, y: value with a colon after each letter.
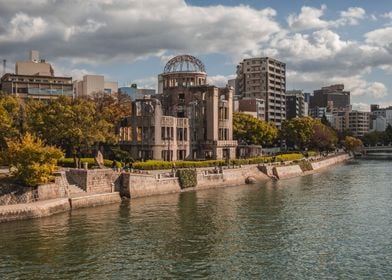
x: 377, y: 90
x: 104, y: 32
x: 148, y: 82
x: 363, y: 107
x: 219, y: 80
x: 121, y: 30
x: 90, y: 26
x: 380, y: 37
x: 22, y: 28
x: 310, y: 18
x: 387, y: 15
x: 356, y: 84
x: 351, y: 16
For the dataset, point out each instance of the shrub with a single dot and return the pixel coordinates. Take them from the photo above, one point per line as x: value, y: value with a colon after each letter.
x: 69, y: 162
x: 160, y: 164
x: 289, y: 157
x: 312, y: 153
x: 31, y: 162
x: 187, y: 178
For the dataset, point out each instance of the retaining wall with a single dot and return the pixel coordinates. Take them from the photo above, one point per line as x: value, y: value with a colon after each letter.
x: 329, y: 161
x: 139, y: 185
x: 50, y: 191
x: 95, y: 200
x: 33, y: 210
x: 284, y: 172
x: 94, y: 180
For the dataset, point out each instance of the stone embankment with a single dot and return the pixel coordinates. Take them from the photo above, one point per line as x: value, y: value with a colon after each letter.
x: 34, y: 209
x: 78, y: 188
x: 139, y: 185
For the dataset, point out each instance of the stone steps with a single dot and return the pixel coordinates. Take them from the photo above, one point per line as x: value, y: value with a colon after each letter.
x: 74, y: 189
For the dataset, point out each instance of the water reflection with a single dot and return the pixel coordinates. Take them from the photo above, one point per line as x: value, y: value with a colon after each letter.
x: 334, y: 224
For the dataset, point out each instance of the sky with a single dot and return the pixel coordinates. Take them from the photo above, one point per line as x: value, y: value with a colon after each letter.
x: 129, y: 41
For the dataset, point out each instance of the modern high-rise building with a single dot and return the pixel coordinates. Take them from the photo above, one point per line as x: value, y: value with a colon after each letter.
x: 333, y: 97
x: 264, y: 78
x: 35, y: 79
x: 295, y: 104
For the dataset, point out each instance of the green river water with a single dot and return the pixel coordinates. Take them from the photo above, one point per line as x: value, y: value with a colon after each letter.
x: 332, y: 225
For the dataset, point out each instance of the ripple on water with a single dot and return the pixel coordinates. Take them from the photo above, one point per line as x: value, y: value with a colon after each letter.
x: 332, y: 225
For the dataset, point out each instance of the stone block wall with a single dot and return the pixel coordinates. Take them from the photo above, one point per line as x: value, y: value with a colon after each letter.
x: 95, y: 200
x: 329, y: 161
x: 283, y: 172
x: 138, y: 185
x: 50, y: 191
x: 95, y: 180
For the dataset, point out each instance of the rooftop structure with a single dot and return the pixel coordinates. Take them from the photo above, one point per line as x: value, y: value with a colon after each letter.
x: 182, y: 71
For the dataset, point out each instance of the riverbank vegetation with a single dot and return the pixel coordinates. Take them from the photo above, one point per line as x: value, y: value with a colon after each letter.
x: 378, y: 137
x: 81, y: 127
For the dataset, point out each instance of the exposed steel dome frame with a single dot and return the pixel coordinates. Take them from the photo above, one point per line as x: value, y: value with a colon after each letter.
x: 184, y: 63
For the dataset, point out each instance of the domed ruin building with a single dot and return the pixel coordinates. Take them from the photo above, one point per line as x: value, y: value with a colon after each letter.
x: 187, y: 119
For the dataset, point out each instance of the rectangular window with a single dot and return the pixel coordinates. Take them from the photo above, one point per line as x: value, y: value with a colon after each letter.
x: 139, y: 134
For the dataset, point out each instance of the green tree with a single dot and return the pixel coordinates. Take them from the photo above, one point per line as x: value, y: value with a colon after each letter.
x: 112, y: 108
x: 388, y: 135
x: 373, y: 138
x: 351, y: 143
x: 250, y: 130
x: 30, y: 161
x: 75, y: 125
x: 323, y: 137
x: 10, y: 118
x: 298, y: 131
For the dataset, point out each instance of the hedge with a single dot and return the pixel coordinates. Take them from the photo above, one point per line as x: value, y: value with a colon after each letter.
x: 160, y: 164
x: 69, y: 162
x: 187, y: 178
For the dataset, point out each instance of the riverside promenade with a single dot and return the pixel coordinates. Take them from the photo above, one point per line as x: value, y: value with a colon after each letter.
x: 89, y: 188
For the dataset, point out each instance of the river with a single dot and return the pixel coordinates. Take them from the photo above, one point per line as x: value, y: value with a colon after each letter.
x: 332, y: 225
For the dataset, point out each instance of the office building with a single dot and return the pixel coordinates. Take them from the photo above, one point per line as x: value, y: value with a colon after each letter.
x: 295, y: 104
x: 94, y: 84
x: 35, y: 79
x: 333, y: 97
